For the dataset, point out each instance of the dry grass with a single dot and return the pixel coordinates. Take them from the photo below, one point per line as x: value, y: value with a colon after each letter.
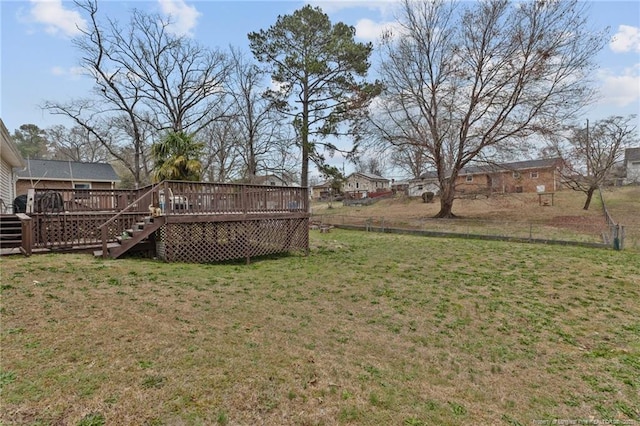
x: 517, y: 215
x: 369, y: 329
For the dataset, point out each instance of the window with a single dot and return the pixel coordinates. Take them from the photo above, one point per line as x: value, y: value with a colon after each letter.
x: 82, y: 190
x: 534, y: 175
x: 357, y: 184
x: 516, y: 175
x: 469, y: 178
x: 419, y: 187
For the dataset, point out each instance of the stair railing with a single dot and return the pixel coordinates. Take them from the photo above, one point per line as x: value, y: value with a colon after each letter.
x: 104, y: 228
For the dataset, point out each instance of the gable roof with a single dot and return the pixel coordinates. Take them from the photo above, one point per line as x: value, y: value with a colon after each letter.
x: 514, y: 166
x: 369, y: 176
x: 325, y: 184
x: 267, y: 179
x: 68, y: 170
x: 8, y: 148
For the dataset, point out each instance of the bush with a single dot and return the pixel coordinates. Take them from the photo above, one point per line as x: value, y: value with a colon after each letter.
x: 428, y: 197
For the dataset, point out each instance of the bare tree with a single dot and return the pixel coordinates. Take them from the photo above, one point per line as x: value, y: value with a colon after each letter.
x: 222, y: 160
x: 145, y: 78
x: 413, y: 160
x: 462, y: 78
x: 261, y: 133
x: 589, y: 153
x: 76, y: 144
x: 370, y: 164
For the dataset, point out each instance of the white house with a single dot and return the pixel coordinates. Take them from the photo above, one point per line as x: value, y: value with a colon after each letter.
x: 360, y: 185
x: 632, y: 165
x: 427, y: 182
x: 10, y: 159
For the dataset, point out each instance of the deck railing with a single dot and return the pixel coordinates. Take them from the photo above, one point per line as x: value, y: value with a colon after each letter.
x: 225, y: 198
x: 83, y: 215
x: 177, y: 197
x: 83, y: 200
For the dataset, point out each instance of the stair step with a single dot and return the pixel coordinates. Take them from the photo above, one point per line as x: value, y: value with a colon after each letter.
x: 98, y: 253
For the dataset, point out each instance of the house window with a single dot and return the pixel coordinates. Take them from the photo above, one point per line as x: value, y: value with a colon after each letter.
x: 534, y: 175
x: 419, y: 187
x: 357, y: 184
x: 516, y: 175
x: 469, y: 178
x: 81, y: 190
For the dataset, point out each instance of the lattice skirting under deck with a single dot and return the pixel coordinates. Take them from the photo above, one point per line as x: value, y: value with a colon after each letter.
x: 219, y: 241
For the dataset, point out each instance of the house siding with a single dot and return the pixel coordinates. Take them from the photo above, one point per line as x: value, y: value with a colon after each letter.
x: 10, y: 158
x: 359, y: 185
x: 7, y: 193
x: 632, y: 165
x: 633, y: 172
x: 23, y: 185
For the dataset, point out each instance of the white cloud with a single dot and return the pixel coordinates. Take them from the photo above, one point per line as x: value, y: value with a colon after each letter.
x: 627, y: 39
x: 366, y: 29
x: 56, y: 18
x: 58, y: 71
x: 73, y: 72
x: 621, y: 90
x: 183, y: 16
x: 384, y: 7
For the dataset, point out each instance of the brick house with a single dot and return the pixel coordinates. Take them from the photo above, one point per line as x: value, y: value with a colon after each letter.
x: 522, y: 176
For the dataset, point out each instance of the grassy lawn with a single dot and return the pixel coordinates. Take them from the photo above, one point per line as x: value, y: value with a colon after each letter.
x: 369, y: 329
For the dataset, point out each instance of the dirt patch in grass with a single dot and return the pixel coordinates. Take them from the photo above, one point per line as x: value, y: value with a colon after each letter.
x: 581, y: 224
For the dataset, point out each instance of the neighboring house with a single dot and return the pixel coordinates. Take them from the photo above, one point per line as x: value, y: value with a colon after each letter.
x: 400, y: 186
x: 359, y: 185
x: 521, y: 176
x: 322, y: 191
x: 427, y: 182
x: 10, y: 159
x: 632, y: 165
x: 44, y: 174
x: 271, y: 180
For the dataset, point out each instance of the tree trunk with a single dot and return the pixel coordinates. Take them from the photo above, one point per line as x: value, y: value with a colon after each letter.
x: 589, y: 195
x: 447, y: 195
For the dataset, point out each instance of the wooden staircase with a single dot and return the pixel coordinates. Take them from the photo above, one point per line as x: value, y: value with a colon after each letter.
x: 132, y: 238
x: 10, y: 231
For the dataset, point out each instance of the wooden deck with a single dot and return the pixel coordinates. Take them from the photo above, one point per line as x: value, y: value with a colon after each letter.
x: 184, y: 221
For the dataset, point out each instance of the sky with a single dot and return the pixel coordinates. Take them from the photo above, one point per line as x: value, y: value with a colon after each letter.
x: 38, y: 61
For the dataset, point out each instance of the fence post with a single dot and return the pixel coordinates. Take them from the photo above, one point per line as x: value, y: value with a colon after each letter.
x: 618, y: 237
x: 27, y: 234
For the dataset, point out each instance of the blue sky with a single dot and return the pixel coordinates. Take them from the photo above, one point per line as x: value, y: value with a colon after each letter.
x: 38, y: 61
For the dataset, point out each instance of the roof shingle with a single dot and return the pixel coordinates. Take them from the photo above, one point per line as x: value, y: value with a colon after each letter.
x: 68, y: 170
